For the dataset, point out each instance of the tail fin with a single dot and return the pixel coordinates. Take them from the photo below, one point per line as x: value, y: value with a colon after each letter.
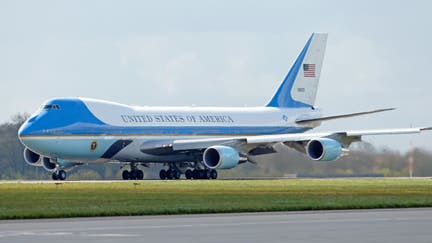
x: 301, y: 83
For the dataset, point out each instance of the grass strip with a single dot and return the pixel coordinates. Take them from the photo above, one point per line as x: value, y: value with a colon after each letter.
x: 69, y: 199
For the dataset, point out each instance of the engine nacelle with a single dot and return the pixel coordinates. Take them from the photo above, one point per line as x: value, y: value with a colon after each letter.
x: 221, y: 157
x: 324, y: 149
x: 32, y: 158
x: 48, y: 165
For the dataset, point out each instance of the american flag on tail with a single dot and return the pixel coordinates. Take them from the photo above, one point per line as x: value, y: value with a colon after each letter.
x: 309, y: 70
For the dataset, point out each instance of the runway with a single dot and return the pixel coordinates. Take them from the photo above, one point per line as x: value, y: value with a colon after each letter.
x: 386, y: 225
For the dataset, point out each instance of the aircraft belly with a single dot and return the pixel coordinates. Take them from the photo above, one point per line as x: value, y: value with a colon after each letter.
x: 132, y: 153
x: 69, y: 148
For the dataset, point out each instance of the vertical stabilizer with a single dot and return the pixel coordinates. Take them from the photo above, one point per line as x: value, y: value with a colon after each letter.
x: 300, y: 86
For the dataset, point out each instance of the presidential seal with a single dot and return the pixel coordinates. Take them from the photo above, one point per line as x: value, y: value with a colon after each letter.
x: 93, y: 146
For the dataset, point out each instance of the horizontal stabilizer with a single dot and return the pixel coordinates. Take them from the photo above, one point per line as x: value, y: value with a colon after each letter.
x: 307, y: 120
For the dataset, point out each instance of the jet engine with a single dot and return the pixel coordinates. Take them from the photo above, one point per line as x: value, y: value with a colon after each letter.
x: 48, y: 164
x: 323, y: 149
x: 221, y: 157
x: 32, y: 158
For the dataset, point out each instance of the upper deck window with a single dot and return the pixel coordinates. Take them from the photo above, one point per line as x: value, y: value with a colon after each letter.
x: 51, y: 107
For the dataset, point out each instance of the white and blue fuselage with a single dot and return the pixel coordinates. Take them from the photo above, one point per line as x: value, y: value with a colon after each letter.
x: 195, y: 141
x: 89, y: 130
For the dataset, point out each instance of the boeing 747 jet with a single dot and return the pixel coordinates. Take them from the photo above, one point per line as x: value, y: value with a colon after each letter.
x: 195, y: 141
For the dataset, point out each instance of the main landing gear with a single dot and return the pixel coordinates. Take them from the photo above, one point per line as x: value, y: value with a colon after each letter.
x: 175, y: 170
x: 171, y: 174
x: 59, y: 175
x: 133, y: 174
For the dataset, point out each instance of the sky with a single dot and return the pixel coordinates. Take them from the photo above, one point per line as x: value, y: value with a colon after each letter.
x: 221, y: 53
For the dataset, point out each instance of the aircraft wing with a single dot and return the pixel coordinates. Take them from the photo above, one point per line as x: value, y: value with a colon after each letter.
x: 328, y: 118
x: 345, y: 138
x: 344, y: 134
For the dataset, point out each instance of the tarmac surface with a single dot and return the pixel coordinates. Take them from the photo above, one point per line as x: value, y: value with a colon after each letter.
x: 377, y: 225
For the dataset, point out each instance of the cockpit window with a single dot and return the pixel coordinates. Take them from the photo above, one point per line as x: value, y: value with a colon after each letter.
x: 51, y: 107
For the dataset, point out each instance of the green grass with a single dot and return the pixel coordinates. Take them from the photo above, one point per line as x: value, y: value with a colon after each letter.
x: 46, y: 200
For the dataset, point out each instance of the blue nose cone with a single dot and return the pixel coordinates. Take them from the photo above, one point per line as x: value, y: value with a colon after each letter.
x: 28, y: 127
x: 24, y: 130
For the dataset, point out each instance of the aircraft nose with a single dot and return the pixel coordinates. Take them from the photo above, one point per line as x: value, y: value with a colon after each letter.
x: 23, y: 130
x: 27, y: 128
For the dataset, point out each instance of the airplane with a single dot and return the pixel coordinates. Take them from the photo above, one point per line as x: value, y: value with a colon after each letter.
x: 195, y: 141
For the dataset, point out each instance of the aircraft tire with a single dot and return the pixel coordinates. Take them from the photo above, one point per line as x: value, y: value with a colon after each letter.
x: 170, y: 174
x: 140, y: 174
x: 62, y: 175
x: 189, y: 174
x: 176, y: 174
x: 54, y: 176
x: 201, y: 174
x: 126, y: 175
x: 207, y: 174
x: 133, y: 175
x: 213, y: 174
x: 163, y: 174
x: 195, y: 174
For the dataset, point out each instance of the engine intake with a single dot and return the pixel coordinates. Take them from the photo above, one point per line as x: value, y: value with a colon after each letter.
x: 221, y: 157
x: 32, y: 158
x: 324, y: 149
x: 48, y: 165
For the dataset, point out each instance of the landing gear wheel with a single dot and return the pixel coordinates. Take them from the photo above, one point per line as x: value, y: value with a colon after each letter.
x: 126, y: 175
x: 54, y: 176
x: 133, y: 175
x: 189, y: 174
x: 170, y: 174
x: 163, y: 174
x: 176, y: 174
x: 61, y: 175
x: 213, y: 174
x: 140, y: 174
x: 207, y: 174
x: 195, y: 174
